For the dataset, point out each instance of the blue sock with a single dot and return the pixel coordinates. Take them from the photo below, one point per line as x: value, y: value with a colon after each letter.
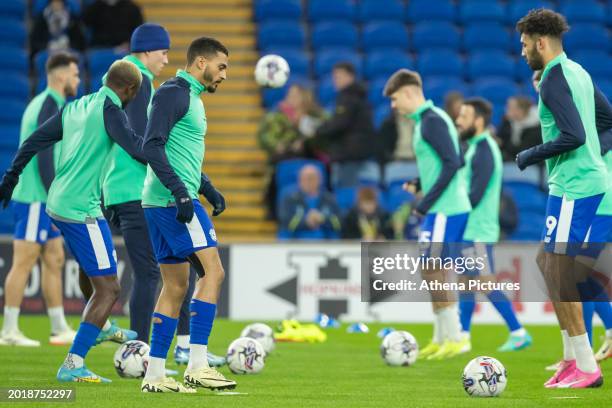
x: 504, y: 307
x: 84, y: 339
x: 163, y: 333
x: 202, y: 317
x: 588, y: 308
x: 467, y: 305
x: 604, y: 310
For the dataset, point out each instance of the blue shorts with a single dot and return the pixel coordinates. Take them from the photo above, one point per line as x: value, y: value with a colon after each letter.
x: 32, y: 223
x: 597, y: 237
x: 437, y: 228
x: 91, y: 245
x: 567, y: 223
x: 482, y: 255
x: 174, y: 241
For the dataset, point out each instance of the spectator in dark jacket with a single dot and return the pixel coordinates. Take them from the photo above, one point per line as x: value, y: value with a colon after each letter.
x: 367, y: 221
x: 309, y: 213
x: 112, y: 22
x: 56, y: 29
x: 349, y: 132
x: 520, y: 128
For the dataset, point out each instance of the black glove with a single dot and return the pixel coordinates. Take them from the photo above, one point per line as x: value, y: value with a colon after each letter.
x: 520, y: 160
x: 184, y: 207
x: 9, y: 181
x: 213, y: 196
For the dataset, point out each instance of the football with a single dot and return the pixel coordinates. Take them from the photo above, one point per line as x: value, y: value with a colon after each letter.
x: 245, y: 356
x: 484, y: 377
x: 131, y: 359
x: 399, y: 348
x: 262, y: 333
x: 271, y: 71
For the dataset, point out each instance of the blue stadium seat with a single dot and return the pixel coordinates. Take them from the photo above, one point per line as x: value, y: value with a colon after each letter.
x: 272, y: 96
x: 522, y: 70
x: 512, y: 174
x: 12, y: 33
x: 479, y: 36
x: 606, y: 87
x: 333, y: 34
x: 385, y: 63
x: 436, y: 87
x: 519, y: 8
x: 40, y: 59
x: 326, y: 93
x: 14, y: 59
x: 586, y: 37
x: 597, y: 63
x: 384, y: 34
x: 15, y: 86
x: 38, y: 6
x: 326, y: 59
x: 381, y: 112
x: 11, y: 111
x: 440, y: 62
x: 370, y: 10
x: 41, y: 84
x: 345, y: 198
x: 99, y: 60
x: 10, y: 138
x: 427, y: 10
x: 369, y: 172
x: 490, y: 63
x: 287, y: 171
x: 298, y: 60
x: 496, y: 90
x: 483, y: 10
x: 394, y: 197
x: 280, y: 33
x: 274, y: 9
x: 531, y: 224
x: 13, y: 9
x: 399, y: 172
x: 439, y: 35
x: 527, y: 196
x: 375, y: 91
x: 319, y: 10
x: 584, y: 11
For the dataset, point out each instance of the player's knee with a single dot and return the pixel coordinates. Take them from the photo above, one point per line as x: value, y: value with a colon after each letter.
x: 54, y: 260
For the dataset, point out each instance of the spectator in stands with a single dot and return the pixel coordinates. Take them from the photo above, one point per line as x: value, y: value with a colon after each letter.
x: 367, y: 221
x: 287, y: 134
x: 520, y: 128
x: 452, y: 104
x: 395, y: 139
x: 112, y: 22
x: 56, y: 29
x: 348, y: 134
x: 310, y: 213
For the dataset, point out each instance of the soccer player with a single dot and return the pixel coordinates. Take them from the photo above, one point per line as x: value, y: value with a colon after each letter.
x: 180, y: 229
x: 577, y: 178
x: 35, y: 237
x: 445, y: 205
x: 88, y: 128
x: 483, y: 171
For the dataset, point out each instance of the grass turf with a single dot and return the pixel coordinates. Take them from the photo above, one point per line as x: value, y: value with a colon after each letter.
x: 345, y: 371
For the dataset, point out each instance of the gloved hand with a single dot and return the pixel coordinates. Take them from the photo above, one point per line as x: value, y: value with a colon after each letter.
x: 213, y: 196
x: 521, y: 160
x: 184, y: 207
x: 9, y: 181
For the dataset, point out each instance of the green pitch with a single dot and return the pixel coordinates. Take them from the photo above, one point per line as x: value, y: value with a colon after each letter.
x: 346, y: 371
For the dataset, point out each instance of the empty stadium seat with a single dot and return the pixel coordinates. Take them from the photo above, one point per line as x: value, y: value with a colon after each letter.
x: 381, y: 10
x: 385, y: 63
x: 384, y: 34
x: 381, y: 112
x: 326, y: 93
x: 606, y: 87
x: 298, y: 60
x: 326, y: 59
x: 12, y: 32
x: 11, y: 111
x: 586, y: 37
x: 482, y: 10
x: 512, y: 174
x: 13, y: 9
x: 436, y: 87
x: 522, y: 70
x: 345, y: 198
x: 272, y: 96
x: 394, y: 197
x: 519, y: 8
x: 10, y: 138
x: 399, y: 172
x: 584, y: 11
x: 280, y: 33
x: 440, y: 62
x: 427, y: 10
x: 333, y: 34
x: 490, y: 63
x: 441, y: 34
x: 527, y: 196
x: 597, y: 63
x: 287, y: 171
x: 274, y: 9
x: 496, y: 90
x: 99, y: 60
x: 477, y: 36
x: 319, y: 10
x: 15, y: 86
x: 14, y: 59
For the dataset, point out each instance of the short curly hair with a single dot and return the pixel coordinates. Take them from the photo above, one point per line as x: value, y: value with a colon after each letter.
x: 543, y: 22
